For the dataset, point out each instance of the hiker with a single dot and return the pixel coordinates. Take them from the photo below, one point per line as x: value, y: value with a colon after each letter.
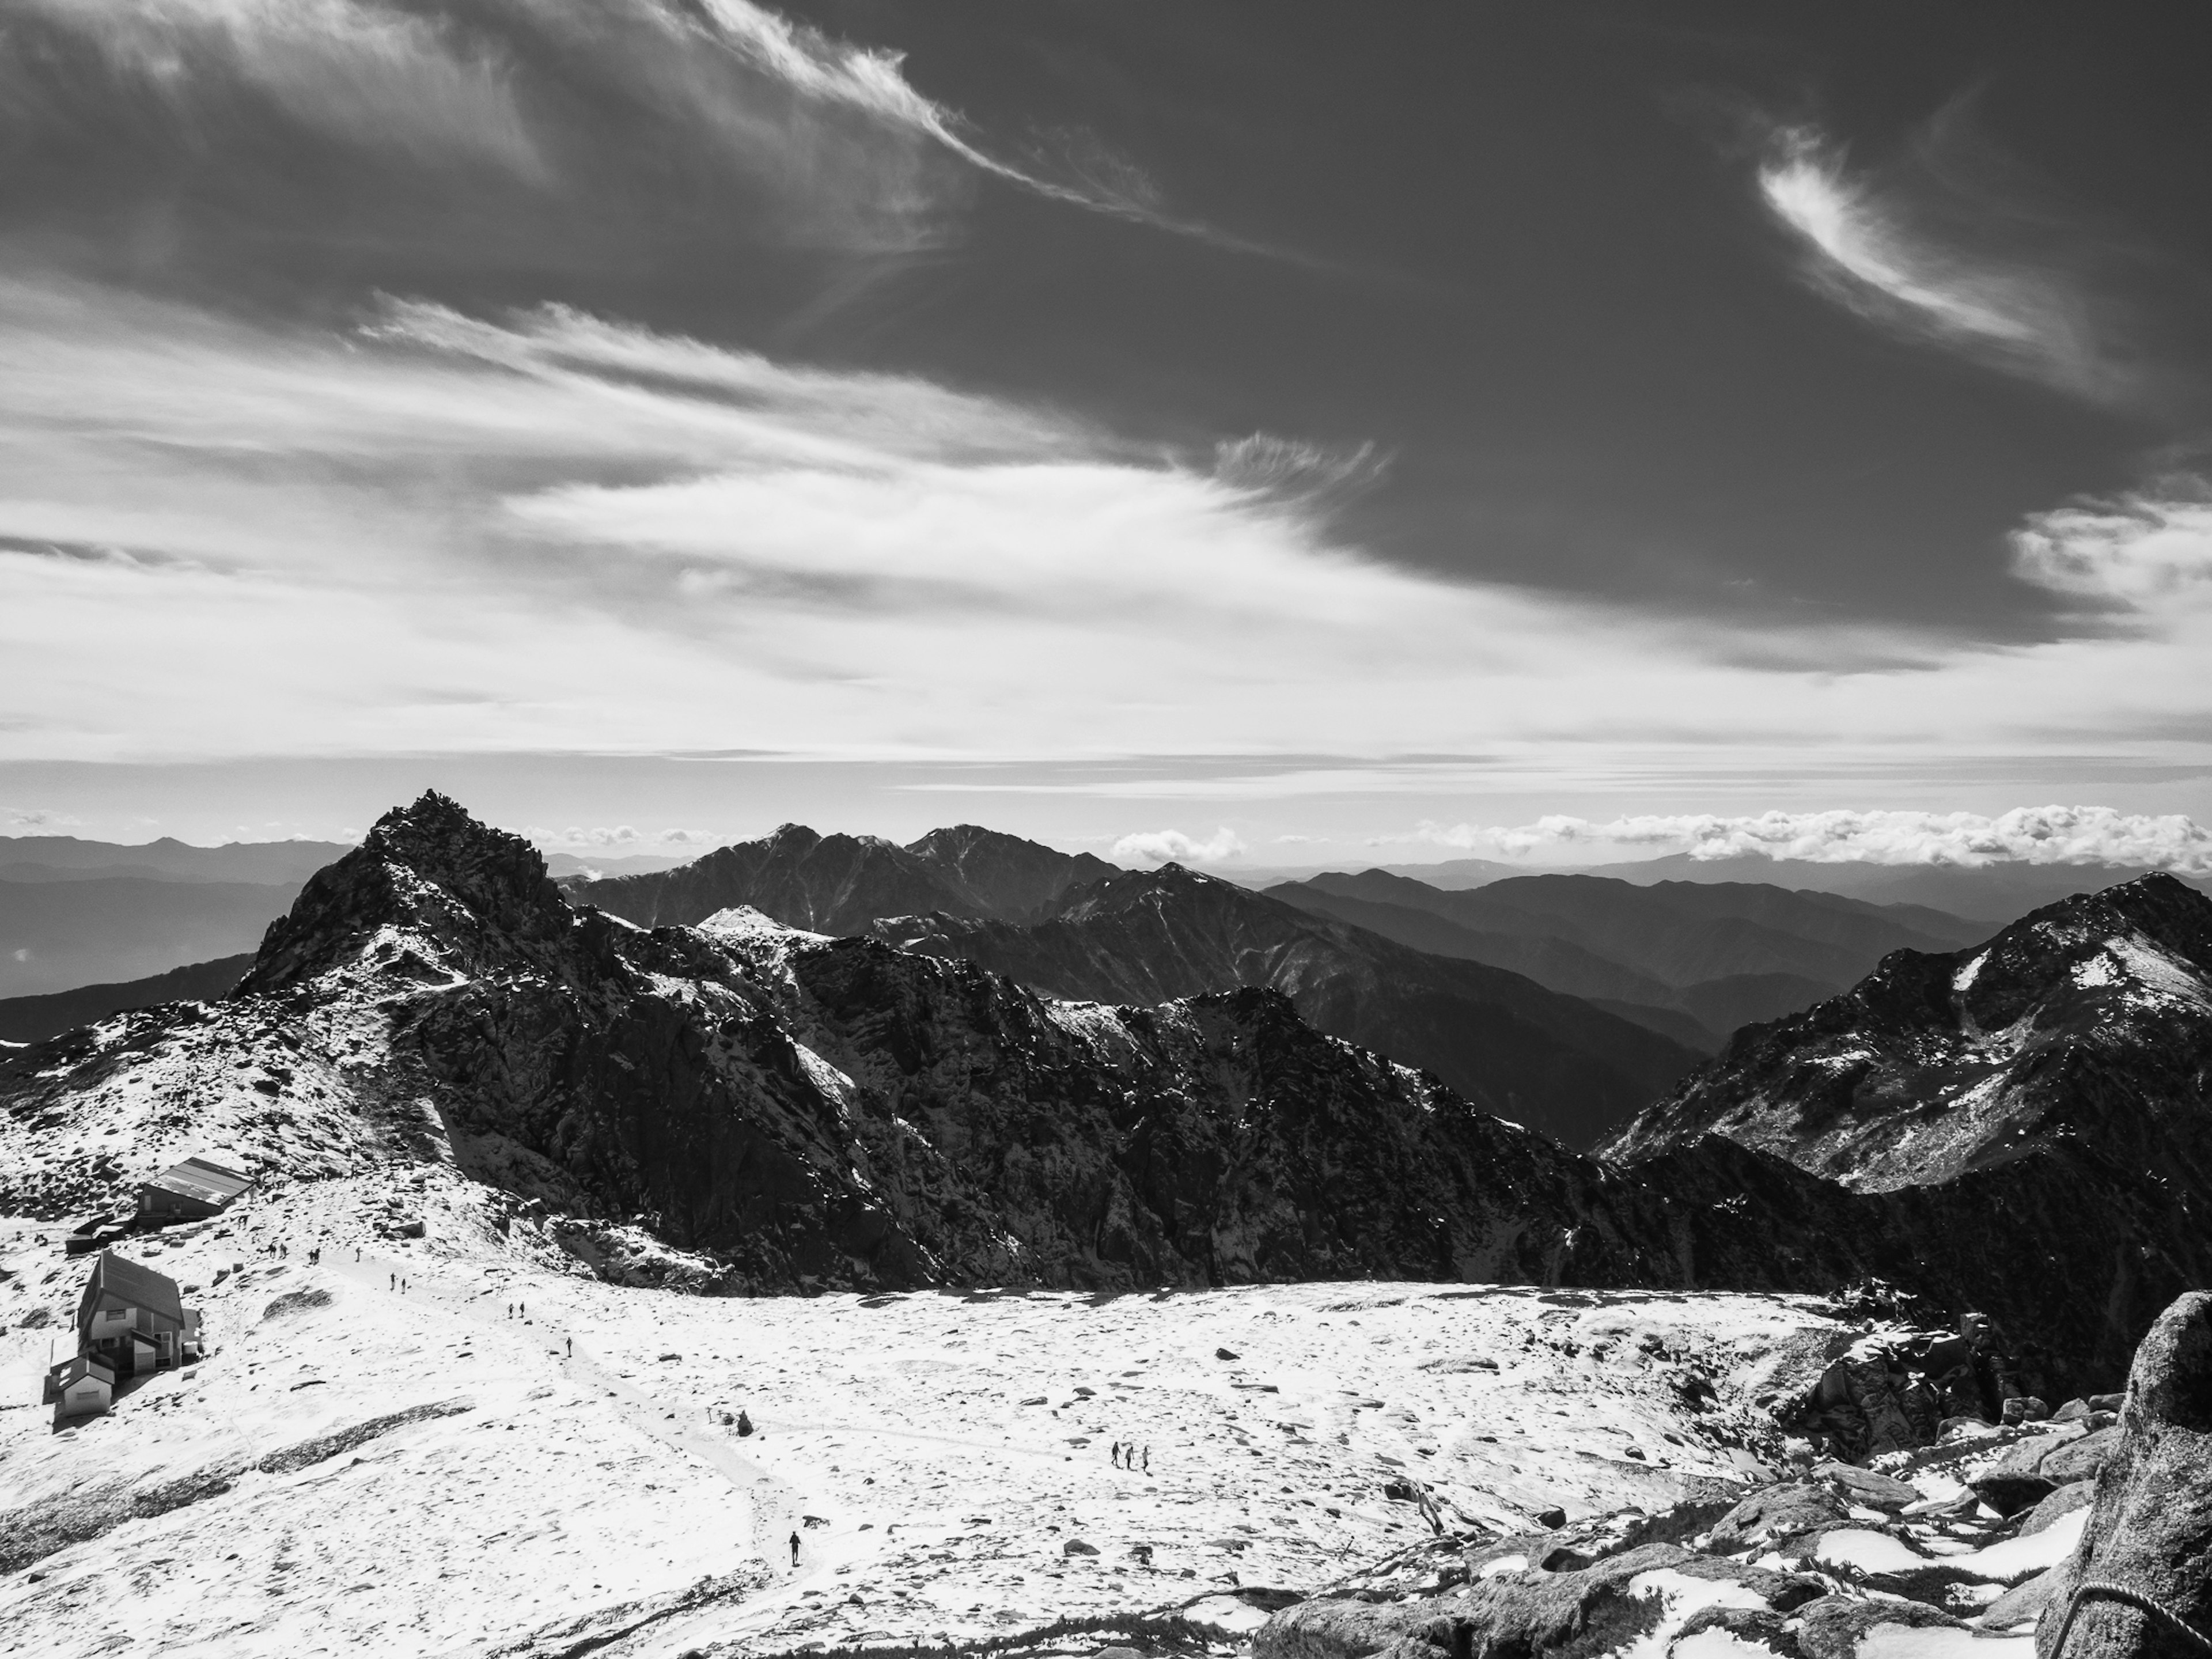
x: 1148, y: 1459
x: 794, y: 1549
x: 522, y: 1309
x: 572, y: 1347
x: 745, y: 1424
x: 1113, y: 1452
x: 394, y: 1284
x: 510, y: 1310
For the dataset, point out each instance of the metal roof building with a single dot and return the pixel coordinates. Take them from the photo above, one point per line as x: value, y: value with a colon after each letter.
x: 191, y: 1189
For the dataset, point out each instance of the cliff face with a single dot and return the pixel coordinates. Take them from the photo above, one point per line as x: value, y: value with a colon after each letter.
x: 1506, y: 1044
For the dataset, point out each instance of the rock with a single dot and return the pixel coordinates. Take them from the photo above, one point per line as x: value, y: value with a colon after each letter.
x: 2068, y: 1499
x: 1750, y: 1626
x: 2107, y: 1402
x: 2025, y: 1408
x: 1524, y: 1614
x: 1552, y: 1518
x: 1118, y: 1653
x: 1077, y: 1546
x: 1833, y: 1626
x: 2151, y: 1528
x: 38, y: 1319
x: 2022, y: 1603
x: 1880, y: 1491
x: 2009, y: 1493
x: 745, y: 1424
x: 2079, y: 1459
x: 1223, y: 1354
x: 1775, y: 1513
x: 2072, y: 1411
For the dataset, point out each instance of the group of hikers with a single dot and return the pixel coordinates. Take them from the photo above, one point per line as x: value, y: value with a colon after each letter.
x: 1127, y: 1455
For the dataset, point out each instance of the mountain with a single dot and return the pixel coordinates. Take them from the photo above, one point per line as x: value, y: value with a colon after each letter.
x: 55, y: 935
x: 1679, y: 954
x: 32, y: 1019
x: 839, y: 884
x: 800, y: 1112
x: 66, y: 858
x: 1552, y: 1062
x: 2066, y: 1064
x: 1989, y: 892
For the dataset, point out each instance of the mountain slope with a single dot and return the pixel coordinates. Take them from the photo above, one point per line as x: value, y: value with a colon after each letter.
x: 839, y: 884
x: 1722, y: 955
x: 2066, y: 1065
x: 810, y: 1112
x: 1552, y: 1062
x: 32, y: 1019
x: 1995, y: 893
x: 68, y: 858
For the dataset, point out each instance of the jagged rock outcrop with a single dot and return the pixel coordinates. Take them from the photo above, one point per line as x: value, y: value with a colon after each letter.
x: 2047, y: 1096
x: 2150, y: 1531
x: 839, y: 884
x: 1550, y: 1061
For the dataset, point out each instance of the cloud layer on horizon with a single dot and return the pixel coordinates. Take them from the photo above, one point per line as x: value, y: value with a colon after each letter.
x: 2044, y: 835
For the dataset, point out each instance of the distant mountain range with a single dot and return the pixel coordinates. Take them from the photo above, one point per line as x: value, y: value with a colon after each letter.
x: 1072, y: 926
x: 1693, y: 960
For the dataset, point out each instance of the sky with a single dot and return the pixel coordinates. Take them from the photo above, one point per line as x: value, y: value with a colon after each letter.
x: 1275, y: 431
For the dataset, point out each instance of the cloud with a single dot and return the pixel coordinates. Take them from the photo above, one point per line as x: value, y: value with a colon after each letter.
x: 601, y: 109
x: 368, y: 75
x: 2041, y: 835
x: 621, y: 837
x: 1906, y: 263
x: 547, y: 531
x: 2146, y: 553
x: 1173, y: 847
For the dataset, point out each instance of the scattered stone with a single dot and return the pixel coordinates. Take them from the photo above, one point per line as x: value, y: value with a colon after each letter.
x: 1753, y: 1626
x: 2072, y: 1411
x: 2107, y: 1402
x: 1223, y: 1354
x: 1552, y: 1518
x: 2079, y: 1459
x: 2009, y: 1493
x: 2025, y: 1408
x: 1077, y: 1546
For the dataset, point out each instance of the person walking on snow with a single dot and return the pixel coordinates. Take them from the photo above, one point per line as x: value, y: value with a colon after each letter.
x: 794, y: 1549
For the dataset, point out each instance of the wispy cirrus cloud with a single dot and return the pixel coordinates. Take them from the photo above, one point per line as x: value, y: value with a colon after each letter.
x: 1925, y: 262
x: 602, y: 104
x: 2040, y: 834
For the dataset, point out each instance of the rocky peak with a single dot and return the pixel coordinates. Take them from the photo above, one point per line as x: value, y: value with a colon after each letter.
x: 456, y: 889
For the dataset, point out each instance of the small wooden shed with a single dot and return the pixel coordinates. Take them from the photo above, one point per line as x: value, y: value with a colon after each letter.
x: 80, y: 1387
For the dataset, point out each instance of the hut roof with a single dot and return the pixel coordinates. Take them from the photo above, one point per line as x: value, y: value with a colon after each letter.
x: 197, y: 1178
x: 128, y: 1282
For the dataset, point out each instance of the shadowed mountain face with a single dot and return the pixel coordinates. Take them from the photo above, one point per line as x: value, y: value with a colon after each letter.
x: 839, y: 884
x: 1992, y: 893
x: 816, y: 1113
x: 2067, y: 1062
x: 1696, y: 961
x: 1552, y: 1062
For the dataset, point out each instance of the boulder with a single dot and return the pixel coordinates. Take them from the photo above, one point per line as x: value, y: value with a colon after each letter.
x: 2009, y: 1493
x: 2079, y: 1459
x: 2025, y: 1408
x: 2020, y: 1604
x: 1750, y: 1626
x: 2072, y: 1412
x: 1858, y: 1486
x: 2067, y: 1499
x: 2107, y: 1402
x: 1774, y: 1513
x: 1077, y: 1546
x: 1833, y: 1626
x: 2151, y: 1528
x: 1523, y: 1612
x: 1552, y: 1518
